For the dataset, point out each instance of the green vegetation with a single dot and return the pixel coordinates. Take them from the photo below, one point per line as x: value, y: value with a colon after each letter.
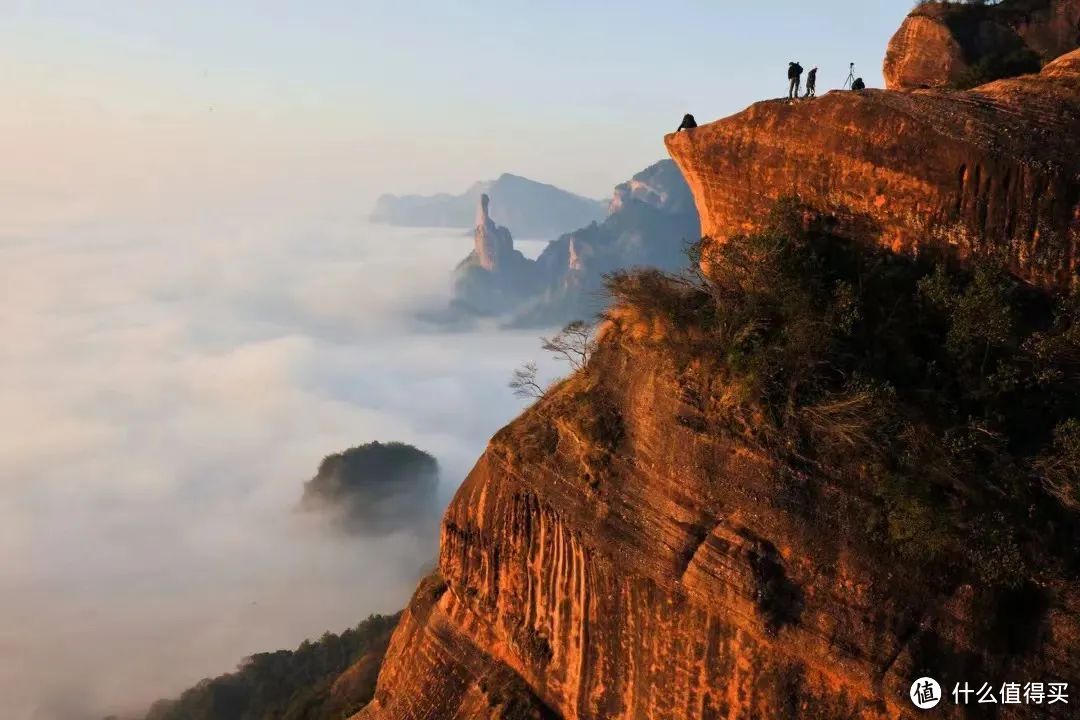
x: 1001, y: 64
x: 376, y: 488
x: 292, y: 685
x: 946, y: 393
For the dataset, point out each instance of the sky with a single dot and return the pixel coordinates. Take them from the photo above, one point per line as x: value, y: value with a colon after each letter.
x: 165, y: 108
x: 195, y: 311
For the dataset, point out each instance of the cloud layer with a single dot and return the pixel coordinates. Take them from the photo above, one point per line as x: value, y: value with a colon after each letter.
x: 166, y: 394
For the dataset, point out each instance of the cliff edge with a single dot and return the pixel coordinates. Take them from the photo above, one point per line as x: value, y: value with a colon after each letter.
x: 994, y: 167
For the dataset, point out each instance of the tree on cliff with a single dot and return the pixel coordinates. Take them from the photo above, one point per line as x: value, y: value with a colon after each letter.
x: 950, y: 393
x: 525, y: 383
x: 573, y: 344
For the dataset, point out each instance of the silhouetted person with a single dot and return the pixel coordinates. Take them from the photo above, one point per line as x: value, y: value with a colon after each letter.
x: 811, y: 83
x: 794, y: 76
x: 858, y: 84
x: 688, y: 123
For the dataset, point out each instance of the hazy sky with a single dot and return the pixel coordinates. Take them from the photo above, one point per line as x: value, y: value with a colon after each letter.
x: 162, y: 107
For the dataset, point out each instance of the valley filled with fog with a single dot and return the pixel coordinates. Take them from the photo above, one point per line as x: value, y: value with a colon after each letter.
x: 167, y: 391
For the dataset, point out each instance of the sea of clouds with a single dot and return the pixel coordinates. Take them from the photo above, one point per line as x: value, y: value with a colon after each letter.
x: 166, y: 392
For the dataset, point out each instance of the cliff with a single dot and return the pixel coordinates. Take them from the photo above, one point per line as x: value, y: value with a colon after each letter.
x: 531, y: 208
x: 845, y: 456
x: 959, y: 45
x: 625, y: 550
x: 995, y: 167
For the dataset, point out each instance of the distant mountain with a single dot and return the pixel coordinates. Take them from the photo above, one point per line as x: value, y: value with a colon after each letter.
x: 533, y: 209
x: 376, y: 489
x: 651, y: 218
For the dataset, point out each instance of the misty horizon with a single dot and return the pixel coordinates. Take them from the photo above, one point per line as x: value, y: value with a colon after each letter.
x: 165, y: 406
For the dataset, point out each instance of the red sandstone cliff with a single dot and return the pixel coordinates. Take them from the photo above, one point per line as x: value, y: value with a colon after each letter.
x: 943, y: 44
x: 608, y: 559
x: 616, y: 554
x: 998, y: 166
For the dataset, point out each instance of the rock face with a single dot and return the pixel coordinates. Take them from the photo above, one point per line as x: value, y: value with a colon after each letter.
x: 923, y: 53
x: 533, y: 209
x: 660, y: 186
x: 606, y: 559
x: 948, y: 44
x: 493, y: 245
x: 494, y: 276
x: 650, y: 218
x: 995, y: 167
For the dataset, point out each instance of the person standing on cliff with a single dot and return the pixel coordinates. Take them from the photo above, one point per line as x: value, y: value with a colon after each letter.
x: 811, y: 83
x: 794, y: 75
x: 688, y: 123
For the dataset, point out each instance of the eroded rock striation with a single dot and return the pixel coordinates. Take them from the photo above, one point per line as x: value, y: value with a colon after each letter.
x: 956, y: 45
x: 995, y: 167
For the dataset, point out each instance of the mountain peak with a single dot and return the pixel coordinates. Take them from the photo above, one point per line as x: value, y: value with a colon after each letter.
x: 533, y: 209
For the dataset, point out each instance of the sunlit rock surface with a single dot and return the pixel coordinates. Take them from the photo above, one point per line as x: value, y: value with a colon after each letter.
x: 997, y: 166
x: 647, y: 570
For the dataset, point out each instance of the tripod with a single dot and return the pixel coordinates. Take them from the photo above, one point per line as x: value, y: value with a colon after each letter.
x: 850, y: 76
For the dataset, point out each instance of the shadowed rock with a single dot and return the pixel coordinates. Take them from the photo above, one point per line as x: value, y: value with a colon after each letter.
x: 375, y: 489
x: 650, y: 219
x: 961, y: 45
x: 495, y: 277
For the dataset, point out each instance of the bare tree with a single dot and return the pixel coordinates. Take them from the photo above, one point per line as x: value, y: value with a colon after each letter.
x: 523, y: 382
x: 574, y: 343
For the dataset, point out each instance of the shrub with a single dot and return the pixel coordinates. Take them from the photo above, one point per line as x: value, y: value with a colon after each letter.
x: 936, y: 388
